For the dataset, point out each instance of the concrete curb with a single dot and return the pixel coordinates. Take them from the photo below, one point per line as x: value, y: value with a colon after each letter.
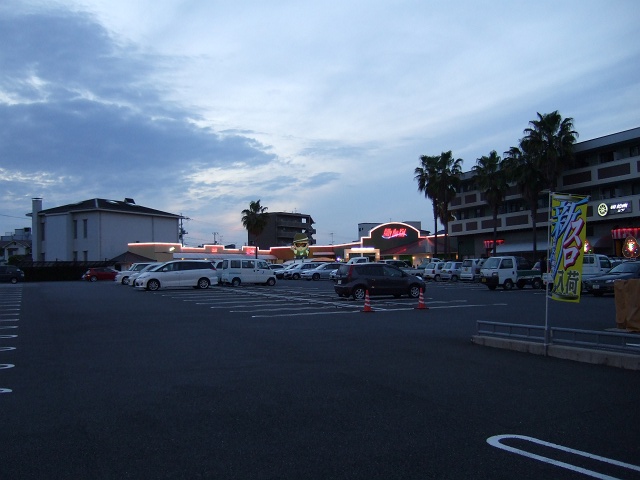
x: 626, y: 361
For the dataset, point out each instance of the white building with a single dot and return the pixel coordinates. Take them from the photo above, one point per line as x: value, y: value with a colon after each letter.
x: 96, y: 229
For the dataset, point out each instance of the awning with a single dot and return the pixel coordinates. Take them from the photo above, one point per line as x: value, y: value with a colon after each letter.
x: 622, y: 233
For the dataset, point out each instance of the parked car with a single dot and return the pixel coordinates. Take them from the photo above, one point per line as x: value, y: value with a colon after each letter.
x: 294, y: 272
x: 433, y: 271
x: 11, y: 273
x: 236, y: 271
x: 397, y: 263
x: 376, y: 278
x: 123, y: 276
x: 148, y: 268
x: 601, y: 284
x: 451, y: 271
x: 358, y: 260
x: 179, y: 273
x: 322, y: 271
x: 99, y: 273
x: 276, y: 267
x: 470, y: 270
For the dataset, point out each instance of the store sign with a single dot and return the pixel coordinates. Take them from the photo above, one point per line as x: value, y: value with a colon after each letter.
x: 389, y: 233
x: 612, y: 208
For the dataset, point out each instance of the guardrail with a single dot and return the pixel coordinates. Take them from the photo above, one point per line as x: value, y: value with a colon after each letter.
x: 616, y: 341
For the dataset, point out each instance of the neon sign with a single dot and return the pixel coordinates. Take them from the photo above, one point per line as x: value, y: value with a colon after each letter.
x: 605, y: 209
x: 390, y: 233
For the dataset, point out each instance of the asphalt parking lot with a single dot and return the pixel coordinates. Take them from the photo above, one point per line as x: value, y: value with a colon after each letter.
x: 293, y: 382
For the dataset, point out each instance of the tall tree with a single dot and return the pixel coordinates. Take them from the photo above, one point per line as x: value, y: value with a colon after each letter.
x: 255, y: 219
x: 449, y: 171
x: 427, y: 177
x: 438, y: 178
x: 524, y: 171
x: 544, y: 153
x: 550, y: 140
x: 491, y: 178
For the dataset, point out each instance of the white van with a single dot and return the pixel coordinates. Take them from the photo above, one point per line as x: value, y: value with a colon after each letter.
x: 353, y: 260
x: 236, y: 271
x: 594, y: 264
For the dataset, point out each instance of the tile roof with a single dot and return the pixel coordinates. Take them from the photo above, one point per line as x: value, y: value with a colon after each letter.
x: 96, y: 204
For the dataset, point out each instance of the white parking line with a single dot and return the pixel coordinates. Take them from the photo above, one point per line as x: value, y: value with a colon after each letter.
x: 496, y: 440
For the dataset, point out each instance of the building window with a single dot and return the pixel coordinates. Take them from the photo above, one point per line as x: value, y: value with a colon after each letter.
x: 75, y: 256
x: 75, y: 229
x: 84, y: 227
x: 85, y: 255
x: 606, y: 157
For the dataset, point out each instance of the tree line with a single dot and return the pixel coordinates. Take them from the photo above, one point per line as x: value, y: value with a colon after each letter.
x: 542, y: 154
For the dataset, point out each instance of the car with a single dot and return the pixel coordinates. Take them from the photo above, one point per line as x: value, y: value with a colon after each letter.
x: 397, y: 263
x: 100, y: 273
x: 433, y: 271
x: 470, y: 270
x: 451, y: 271
x: 294, y: 272
x: 276, y: 267
x: 123, y: 276
x: 356, y: 280
x: 179, y: 273
x: 11, y: 273
x: 322, y: 271
x: 601, y: 284
x: 134, y: 275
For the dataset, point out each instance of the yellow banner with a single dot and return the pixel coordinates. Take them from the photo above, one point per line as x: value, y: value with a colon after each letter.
x: 568, y: 232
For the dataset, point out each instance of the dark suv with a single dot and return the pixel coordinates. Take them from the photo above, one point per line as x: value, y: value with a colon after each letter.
x: 378, y: 279
x: 11, y: 273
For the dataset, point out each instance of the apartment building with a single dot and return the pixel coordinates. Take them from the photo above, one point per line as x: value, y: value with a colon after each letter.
x: 607, y: 170
x: 281, y: 228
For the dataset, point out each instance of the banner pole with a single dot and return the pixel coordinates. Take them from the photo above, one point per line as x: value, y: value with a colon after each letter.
x: 546, y: 286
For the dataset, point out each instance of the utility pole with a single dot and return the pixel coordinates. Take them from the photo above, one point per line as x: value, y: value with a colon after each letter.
x: 181, y: 231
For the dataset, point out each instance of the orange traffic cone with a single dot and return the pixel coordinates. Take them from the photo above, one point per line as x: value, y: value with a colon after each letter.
x: 421, y: 304
x: 367, y: 303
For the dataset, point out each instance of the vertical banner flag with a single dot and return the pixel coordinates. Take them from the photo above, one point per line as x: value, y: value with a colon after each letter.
x: 568, y: 219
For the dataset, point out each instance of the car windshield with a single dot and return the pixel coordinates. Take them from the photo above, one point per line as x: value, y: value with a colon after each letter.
x: 493, y: 262
x: 627, y: 267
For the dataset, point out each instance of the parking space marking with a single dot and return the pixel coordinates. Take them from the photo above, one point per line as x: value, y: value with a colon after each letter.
x: 10, y: 305
x: 496, y: 441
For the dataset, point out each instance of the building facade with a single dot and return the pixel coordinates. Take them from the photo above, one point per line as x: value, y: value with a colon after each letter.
x: 281, y: 229
x: 607, y: 170
x: 96, y: 229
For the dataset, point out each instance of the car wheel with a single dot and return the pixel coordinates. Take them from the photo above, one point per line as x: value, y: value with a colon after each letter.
x: 295, y: 276
x: 508, y: 284
x: 454, y: 278
x: 93, y: 278
x: 271, y: 282
x: 316, y: 276
x: 414, y: 291
x: 537, y: 283
x: 235, y: 282
x: 436, y: 278
x: 14, y: 280
x: 359, y: 293
x: 203, y: 283
x: 125, y: 281
x: 153, y: 285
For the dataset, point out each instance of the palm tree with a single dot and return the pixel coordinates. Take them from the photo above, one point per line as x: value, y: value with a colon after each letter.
x: 255, y: 219
x: 449, y: 171
x: 427, y: 177
x: 491, y: 177
x: 522, y: 169
x: 438, y: 178
x: 550, y: 141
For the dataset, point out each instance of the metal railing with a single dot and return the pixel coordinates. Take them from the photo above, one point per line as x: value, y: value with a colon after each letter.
x: 628, y: 342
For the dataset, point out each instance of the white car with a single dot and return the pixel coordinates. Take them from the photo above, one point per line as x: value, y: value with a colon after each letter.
x: 134, y: 275
x: 123, y: 276
x: 179, y: 273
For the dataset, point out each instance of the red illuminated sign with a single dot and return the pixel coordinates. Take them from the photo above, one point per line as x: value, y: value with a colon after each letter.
x: 390, y: 233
